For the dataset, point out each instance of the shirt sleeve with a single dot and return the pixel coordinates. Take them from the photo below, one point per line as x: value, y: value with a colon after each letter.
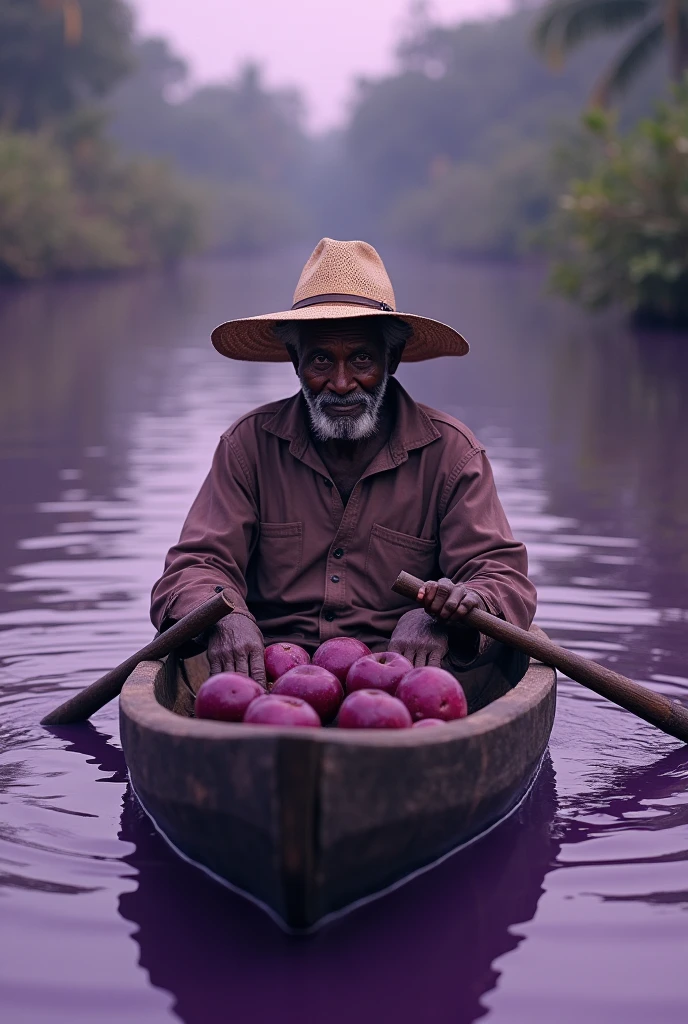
x: 477, y: 547
x: 215, y: 544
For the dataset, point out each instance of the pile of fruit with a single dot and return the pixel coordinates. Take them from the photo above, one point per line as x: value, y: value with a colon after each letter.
x: 345, y: 684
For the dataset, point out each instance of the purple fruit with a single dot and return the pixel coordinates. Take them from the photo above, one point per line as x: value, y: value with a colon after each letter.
x: 373, y: 709
x: 316, y: 686
x: 226, y: 696
x: 378, y: 672
x: 432, y: 693
x: 339, y: 654
x: 423, y: 722
x: 279, y: 658
x: 278, y: 709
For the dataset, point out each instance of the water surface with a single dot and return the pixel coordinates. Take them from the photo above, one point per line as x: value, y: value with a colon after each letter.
x: 111, y: 402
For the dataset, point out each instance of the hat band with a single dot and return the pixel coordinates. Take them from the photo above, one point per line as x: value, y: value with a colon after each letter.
x: 342, y: 297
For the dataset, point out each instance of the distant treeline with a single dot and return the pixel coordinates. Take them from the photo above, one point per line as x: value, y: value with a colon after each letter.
x: 110, y: 159
x: 242, y: 146
x: 69, y: 203
x: 453, y: 152
x: 450, y: 153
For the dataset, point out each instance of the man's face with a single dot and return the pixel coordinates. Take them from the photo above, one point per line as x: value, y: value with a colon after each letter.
x: 343, y: 373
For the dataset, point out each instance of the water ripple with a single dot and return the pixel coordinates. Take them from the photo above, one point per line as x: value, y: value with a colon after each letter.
x: 589, y: 880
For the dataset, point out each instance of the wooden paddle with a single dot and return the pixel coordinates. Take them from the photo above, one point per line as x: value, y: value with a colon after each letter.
x: 80, y: 707
x: 667, y: 715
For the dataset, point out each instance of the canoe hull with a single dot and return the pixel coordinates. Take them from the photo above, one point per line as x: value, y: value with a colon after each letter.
x: 308, y: 822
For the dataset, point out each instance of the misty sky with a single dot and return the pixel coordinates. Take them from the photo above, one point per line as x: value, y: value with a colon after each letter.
x: 318, y: 45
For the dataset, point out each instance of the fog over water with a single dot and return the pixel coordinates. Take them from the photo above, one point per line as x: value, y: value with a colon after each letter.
x: 319, y: 48
x: 111, y: 403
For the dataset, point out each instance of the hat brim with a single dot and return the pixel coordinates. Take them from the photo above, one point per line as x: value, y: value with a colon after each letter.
x: 254, y: 340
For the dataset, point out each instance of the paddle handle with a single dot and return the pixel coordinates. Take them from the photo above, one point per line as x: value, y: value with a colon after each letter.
x: 82, y: 705
x: 667, y: 715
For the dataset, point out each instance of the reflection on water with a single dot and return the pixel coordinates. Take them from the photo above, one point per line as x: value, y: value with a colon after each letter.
x: 111, y: 402
x: 412, y: 957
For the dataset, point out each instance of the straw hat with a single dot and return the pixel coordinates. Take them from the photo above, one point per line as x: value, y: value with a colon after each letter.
x: 341, y: 279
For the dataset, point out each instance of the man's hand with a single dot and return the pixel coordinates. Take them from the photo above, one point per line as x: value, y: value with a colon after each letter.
x: 236, y: 645
x: 420, y: 639
x: 448, y: 602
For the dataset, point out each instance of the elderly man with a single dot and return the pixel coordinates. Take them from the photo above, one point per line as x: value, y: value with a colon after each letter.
x: 315, y: 503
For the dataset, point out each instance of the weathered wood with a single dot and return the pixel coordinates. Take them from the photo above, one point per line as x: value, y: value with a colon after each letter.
x: 82, y: 705
x: 308, y: 821
x: 668, y: 715
x: 298, y: 771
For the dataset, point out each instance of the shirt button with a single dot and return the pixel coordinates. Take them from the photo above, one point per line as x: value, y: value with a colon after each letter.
x: 330, y: 616
x: 338, y: 553
x: 335, y: 579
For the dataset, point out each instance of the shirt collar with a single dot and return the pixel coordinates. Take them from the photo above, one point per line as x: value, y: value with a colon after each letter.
x: 413, y: 428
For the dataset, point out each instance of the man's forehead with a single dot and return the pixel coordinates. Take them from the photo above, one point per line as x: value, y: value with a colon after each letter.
x: 347, y: 331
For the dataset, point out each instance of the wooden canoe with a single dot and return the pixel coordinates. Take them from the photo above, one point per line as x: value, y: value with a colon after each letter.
x: 309, y: 821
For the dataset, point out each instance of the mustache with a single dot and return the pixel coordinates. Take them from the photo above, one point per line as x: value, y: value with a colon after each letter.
x: 353, y: 398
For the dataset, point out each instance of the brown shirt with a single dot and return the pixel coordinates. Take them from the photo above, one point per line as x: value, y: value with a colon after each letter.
x: 270, y: 527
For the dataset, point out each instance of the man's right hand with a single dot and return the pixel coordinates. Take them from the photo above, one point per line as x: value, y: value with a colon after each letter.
x: 236, y: 645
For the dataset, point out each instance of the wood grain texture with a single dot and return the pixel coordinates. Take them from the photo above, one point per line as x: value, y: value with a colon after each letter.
x: 298, y: 773
x: 310, y: 820
x: 668, y: 715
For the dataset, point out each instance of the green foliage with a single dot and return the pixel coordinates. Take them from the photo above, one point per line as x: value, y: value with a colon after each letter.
x: 68, y: 203
x: 450, y: 153
x: 57, y: 54
x: 82, y: 210
x: 623, y: 226
x: 40, y: 228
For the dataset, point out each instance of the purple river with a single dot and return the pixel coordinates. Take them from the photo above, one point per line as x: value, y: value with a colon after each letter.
x: 574, y: 909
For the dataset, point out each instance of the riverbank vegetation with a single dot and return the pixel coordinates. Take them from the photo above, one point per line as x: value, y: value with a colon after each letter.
x: 110, y: 157
x: 451, y: 153
x: 99, y: 171
x: 623, y: 226
x: 69, y: 203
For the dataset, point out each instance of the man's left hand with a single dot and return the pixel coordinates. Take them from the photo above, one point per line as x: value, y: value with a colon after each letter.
x: 420, y: 639
x: 448, y: 602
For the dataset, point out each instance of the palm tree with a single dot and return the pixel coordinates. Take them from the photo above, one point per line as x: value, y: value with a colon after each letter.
x: 565, y: 24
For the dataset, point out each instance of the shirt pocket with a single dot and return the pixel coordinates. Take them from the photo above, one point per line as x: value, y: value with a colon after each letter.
x: 278, y: 557
x: 388, y: 553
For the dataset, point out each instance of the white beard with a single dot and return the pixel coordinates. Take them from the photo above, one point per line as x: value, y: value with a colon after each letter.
x: 345, y: 428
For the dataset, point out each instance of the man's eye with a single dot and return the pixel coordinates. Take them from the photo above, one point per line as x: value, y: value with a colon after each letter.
x: 363, y: 357
x: 321, y: 361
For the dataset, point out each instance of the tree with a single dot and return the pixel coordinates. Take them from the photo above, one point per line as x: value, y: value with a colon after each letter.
x: 623, y: 225
x: 56, y: 54
x: 236, y: 130
x: 472, y: 100
x: 66, y: 208
x: 565, y: 24
x: 241, y: 144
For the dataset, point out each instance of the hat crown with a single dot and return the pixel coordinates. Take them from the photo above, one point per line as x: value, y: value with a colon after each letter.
x: 345, y: 268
